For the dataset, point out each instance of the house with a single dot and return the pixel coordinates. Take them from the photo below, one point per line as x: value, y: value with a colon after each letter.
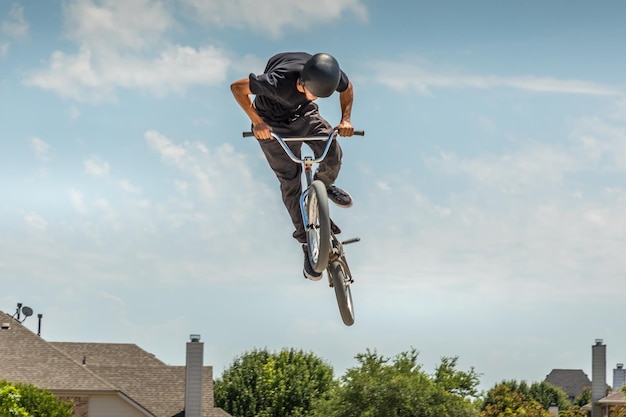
x: 105, y: 379
x: 572, y: 381
x: 614, y: 399
x: 603, y: 398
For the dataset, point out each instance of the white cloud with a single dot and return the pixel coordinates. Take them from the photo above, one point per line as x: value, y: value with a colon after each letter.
x: 40, y: 148
x: 96, y: 167
x: 274, y: 16
x: 108, y: 213
x: 77, y: 200
x: 116, y: 301
x: 94, y: 76
x: 128, y: 187
x: 214, y: 188
x: 419, y: 76
x: 603, y: 142
x: 124, y: 45
x: 204, y: 167
x: 35, y: 221
x: 15, y: 26
x: 168, y: 151
x: 384, y: 186
x: 105, y: 24
x: 533, y: 219
x: 534, y: 165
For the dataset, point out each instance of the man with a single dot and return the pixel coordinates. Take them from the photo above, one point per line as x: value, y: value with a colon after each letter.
x: 284, y: 103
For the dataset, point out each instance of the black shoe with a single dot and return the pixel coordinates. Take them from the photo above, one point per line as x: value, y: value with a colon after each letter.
x: 334, y: 228
x: 339, y: 196
x: 308, y: 271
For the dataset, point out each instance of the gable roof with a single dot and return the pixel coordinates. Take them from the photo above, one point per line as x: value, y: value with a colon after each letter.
x: 27, y: 358
x: 108, y: 367
x: 140, y: 375
x: 572, y: 381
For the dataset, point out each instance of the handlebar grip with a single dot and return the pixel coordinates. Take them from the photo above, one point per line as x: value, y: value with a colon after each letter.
x: 248, y: 134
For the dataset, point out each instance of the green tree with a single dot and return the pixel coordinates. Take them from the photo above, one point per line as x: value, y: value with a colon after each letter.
x: 547, y: 394
x: 513, y: 386
x: 583, y: 398
x: 398, y: 387
x: 544, y: 393
x: 505, y: 402
x: 25, y: 400
x: 269, y: 384
x: 10, y: 402
x: 42, y: 403
x: 574, y: 411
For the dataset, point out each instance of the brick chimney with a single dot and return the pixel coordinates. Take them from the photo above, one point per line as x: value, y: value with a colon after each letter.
x: 193, y: 377
x: 619, y: 377
x: 598, y: 376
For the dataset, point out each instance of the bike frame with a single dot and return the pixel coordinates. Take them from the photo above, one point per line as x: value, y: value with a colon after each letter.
x: 307, y: 162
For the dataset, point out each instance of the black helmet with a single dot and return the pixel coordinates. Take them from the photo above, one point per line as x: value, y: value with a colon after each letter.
x: 321, y: 75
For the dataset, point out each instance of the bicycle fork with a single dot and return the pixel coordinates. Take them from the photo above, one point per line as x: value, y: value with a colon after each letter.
x: 307, y: 166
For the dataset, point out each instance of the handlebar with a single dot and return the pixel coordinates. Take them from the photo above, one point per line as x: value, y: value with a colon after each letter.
x: 304, y: 139
x: 283, y: 143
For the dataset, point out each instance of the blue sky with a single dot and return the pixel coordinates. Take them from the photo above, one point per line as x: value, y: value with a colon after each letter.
x: 489, y: 191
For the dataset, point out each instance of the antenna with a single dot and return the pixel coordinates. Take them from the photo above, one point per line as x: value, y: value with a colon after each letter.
x: 22, y: 309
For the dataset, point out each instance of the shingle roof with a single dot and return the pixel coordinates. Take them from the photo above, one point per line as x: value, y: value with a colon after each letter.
x: 125, y: 368
x: 27, y: 358
x: 160, y: 389
x: 614, y: 398
x: 108, y: 354
x: 140, y: 375
x: 572, y: 381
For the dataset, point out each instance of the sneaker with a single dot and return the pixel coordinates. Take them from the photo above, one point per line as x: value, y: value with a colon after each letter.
x: 308, y: 271
x: 339, y: 196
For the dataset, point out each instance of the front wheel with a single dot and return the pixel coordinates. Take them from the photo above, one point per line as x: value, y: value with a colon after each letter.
x: 318, y: 227
x: 341, y: 284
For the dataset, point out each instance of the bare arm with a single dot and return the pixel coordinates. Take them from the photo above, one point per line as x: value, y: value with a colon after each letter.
x: 242, y: 93
x: 345, y: 101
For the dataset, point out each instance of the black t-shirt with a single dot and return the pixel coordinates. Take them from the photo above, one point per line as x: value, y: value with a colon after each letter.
x: 277, y: 96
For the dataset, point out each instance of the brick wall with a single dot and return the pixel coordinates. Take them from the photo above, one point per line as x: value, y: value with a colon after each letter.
x: 81, y: 405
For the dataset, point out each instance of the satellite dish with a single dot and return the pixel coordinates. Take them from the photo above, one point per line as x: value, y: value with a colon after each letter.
x: 27, y: 311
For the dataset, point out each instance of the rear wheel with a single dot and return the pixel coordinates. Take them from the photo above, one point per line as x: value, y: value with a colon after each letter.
x: 341, y: 284
x: 318, y: 229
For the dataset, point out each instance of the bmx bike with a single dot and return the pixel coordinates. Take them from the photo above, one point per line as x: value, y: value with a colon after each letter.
x: 325, y: 250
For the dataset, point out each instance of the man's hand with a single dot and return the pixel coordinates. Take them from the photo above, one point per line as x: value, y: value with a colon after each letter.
x: 345, y: 128
x: 262, y: 131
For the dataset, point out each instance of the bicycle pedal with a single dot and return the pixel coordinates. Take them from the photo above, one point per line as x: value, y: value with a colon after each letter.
x: 353, y: 240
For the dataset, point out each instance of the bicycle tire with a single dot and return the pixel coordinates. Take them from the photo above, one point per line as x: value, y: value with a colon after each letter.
x: 342, y: 292
x: 318, y: 229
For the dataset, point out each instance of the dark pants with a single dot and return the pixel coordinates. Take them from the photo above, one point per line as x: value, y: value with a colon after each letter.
x: 310, y: 123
